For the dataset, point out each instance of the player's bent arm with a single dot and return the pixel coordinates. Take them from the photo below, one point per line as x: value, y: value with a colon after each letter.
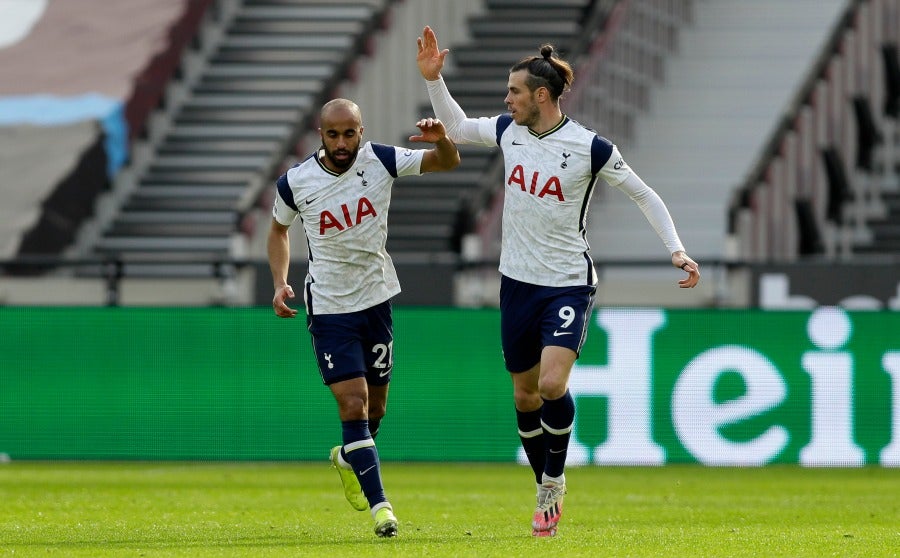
x: 443, y: 157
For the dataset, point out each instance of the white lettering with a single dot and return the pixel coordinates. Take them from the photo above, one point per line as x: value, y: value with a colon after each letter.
x: 701, y: 422
x: 625, y: 381
x: 831, y: 372
x: 894, y: 303
x: 697, y: 417
x: 860, y: 302
x: 775, y: 293
x: 890, y: 455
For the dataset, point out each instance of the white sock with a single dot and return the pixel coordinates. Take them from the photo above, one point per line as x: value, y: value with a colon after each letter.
x: 379, y: 506
x: 343, y: 462
x: 557, y: 480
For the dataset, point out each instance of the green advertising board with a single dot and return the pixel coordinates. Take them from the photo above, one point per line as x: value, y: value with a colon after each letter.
x: 653, y: 386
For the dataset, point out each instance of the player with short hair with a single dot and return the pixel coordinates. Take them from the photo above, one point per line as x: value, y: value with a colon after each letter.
x: 548, y: 281
x: 342, y: 194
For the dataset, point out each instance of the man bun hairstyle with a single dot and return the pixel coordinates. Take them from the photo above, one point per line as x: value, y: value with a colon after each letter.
x: 546, y: 70
x: 547, y: 52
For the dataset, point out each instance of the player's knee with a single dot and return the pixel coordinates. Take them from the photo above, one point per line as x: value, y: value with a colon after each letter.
x: 377, y: 410
x: 526, y: 399
x: 552, y: 387
x: 353, y: 407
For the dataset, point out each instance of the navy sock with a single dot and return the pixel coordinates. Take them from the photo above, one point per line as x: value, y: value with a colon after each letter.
x: 374, y: 425
x: 359, y: 451
x: 532, y: 436
x: 557, y: 419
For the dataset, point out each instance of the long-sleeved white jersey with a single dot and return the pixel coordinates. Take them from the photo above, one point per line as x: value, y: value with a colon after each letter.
x: 549, y: 180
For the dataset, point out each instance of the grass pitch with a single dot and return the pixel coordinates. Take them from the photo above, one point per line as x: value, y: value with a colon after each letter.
x: 100, y: 509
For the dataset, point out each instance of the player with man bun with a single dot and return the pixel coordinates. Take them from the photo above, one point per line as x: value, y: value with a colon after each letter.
x: 548, y: 282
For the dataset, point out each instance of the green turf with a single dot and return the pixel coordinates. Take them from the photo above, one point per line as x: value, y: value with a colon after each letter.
x: 221, y: 509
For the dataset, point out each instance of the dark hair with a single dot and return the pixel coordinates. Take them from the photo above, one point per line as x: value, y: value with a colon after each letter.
x: 547, y: 71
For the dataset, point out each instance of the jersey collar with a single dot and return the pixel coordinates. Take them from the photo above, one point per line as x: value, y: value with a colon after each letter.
x: 551, y: 130
x: 320, y: 154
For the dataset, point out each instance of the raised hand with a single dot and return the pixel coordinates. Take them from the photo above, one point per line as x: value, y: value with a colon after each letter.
x: 430, y: 57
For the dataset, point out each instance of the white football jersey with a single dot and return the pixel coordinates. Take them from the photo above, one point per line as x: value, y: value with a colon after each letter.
x: 549, y: 179
x: 345, y: 218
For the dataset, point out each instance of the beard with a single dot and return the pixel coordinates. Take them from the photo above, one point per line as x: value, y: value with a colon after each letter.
x: 528, y: 116
x: 341, y: 158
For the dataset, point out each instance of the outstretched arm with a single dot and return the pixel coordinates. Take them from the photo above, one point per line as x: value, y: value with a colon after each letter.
x: 430, y: 58
x: 444, y: 155
x: 656, y: 212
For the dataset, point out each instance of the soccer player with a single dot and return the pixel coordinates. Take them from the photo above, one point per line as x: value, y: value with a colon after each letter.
x: 341, y: 194
x: 548, y: 281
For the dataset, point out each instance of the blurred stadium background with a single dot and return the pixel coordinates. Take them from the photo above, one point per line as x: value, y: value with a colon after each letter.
x: 139, y: 142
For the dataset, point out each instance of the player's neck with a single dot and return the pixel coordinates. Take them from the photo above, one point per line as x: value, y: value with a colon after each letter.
x: 549, y: 119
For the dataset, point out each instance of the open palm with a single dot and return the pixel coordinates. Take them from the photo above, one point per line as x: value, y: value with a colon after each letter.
x: 429, y: 57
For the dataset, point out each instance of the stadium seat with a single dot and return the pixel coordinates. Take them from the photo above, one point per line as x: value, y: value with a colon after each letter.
x: 839, y: 189
x: 868, y: 136
x: 891, y: 80
x: 810, y: 237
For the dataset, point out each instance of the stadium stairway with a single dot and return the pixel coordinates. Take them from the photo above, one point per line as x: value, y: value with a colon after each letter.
x: 431, y: 214
x: 252, y: 96
x: 726, y: 88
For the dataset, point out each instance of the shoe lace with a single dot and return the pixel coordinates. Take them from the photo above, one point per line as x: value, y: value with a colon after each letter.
x: 549, y: 494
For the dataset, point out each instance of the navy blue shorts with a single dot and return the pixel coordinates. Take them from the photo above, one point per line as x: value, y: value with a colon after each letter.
x: 533, y: 317
x: 354, y: 345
